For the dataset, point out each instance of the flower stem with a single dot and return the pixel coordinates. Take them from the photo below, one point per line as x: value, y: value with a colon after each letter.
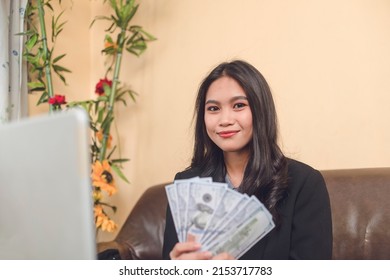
x: 41, y: 14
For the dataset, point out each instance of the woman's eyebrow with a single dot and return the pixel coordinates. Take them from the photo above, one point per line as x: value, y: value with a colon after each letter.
x: 212, y: 101
x: 241, y: 97
x: 235, y: 98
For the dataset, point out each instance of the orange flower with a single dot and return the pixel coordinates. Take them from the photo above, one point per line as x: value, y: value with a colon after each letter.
x: 99, y: 136
x: 109, y: 225
x: 98, y: 210
x: 102, y: 177
x: 99, y: 215
x: 102, y: 221
x: 108, y: 44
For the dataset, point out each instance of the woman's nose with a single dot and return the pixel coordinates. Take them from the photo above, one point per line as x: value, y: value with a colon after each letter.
x: 227, y: 118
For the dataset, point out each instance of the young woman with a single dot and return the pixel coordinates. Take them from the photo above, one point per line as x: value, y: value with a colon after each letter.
x: 236, y: 143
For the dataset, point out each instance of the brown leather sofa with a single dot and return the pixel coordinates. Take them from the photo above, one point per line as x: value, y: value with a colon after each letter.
x: 360, y: 201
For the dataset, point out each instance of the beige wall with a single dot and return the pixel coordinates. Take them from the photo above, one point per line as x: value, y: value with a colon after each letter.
x: 328, y: 64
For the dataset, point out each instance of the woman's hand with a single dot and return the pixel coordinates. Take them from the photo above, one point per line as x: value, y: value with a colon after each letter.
x: 189, y: 250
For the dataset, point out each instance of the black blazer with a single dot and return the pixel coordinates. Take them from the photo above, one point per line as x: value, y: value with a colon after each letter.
x: 305, y: 231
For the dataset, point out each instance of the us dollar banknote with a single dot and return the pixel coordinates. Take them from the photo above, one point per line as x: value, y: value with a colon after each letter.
x: 220, y: 218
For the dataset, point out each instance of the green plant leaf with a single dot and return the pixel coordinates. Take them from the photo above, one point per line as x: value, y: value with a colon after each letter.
x: 107, y: 89
x: 100, y: 115
x: 59, y: 68
x: 36, y: 85
x: 119, y: 173
x: 31, y: 42
x: 121, y: 100
x: 44, y: 98
x: 58, y: 58
x: 112, y: 151
x: 62, y: 78
x: 130, y: 14
x: 120, y: 160
x: 107, y: 120
x: 103, y: 98
x: 99, y: 18
x: 149, y: 36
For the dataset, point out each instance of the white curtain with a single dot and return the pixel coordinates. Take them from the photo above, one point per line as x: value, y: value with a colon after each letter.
x: 13, y: 75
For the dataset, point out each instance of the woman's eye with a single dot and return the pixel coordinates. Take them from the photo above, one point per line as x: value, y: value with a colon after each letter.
x: 212, y: 108
x: 239, y: 105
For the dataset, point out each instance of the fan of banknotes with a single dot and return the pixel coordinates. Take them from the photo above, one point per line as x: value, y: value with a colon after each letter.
x: 218, y: 217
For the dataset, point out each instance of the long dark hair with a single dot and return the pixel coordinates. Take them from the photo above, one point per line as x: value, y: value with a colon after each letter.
x: 266, y: 172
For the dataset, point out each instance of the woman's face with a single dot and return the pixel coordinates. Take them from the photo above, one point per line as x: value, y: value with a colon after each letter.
x: 228, y: 117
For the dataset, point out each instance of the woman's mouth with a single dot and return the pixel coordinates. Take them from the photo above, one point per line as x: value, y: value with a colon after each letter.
x: 227, y: 134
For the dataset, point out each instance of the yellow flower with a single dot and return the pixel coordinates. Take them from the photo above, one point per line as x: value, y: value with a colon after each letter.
x: 99, y: 136
x: 109, y: 225
x: 101, y: 220
x: 98, y: 210
x: 102, y: 177
x: 97, y: 195
x: 99, y: 215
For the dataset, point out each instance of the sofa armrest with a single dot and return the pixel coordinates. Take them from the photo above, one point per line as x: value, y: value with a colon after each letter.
x: 112, y: 250
x: 141, y: 236
x: 360, y: 212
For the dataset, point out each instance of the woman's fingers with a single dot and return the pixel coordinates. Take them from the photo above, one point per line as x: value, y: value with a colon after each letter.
x: 195, y: 256
x: 184, y: 247
x: 189, y: 251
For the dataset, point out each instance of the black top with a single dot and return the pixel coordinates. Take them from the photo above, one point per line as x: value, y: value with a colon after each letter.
x: 305, y: 231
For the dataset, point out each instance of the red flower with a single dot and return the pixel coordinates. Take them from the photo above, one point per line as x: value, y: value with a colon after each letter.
x: 100, y: 85
x: 57, y: 100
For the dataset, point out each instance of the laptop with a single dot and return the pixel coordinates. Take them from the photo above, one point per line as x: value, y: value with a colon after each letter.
x: 46, y: 207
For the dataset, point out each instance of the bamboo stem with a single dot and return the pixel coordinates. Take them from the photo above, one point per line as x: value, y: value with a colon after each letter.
x: 41, y: 14
x: 110, y: 109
